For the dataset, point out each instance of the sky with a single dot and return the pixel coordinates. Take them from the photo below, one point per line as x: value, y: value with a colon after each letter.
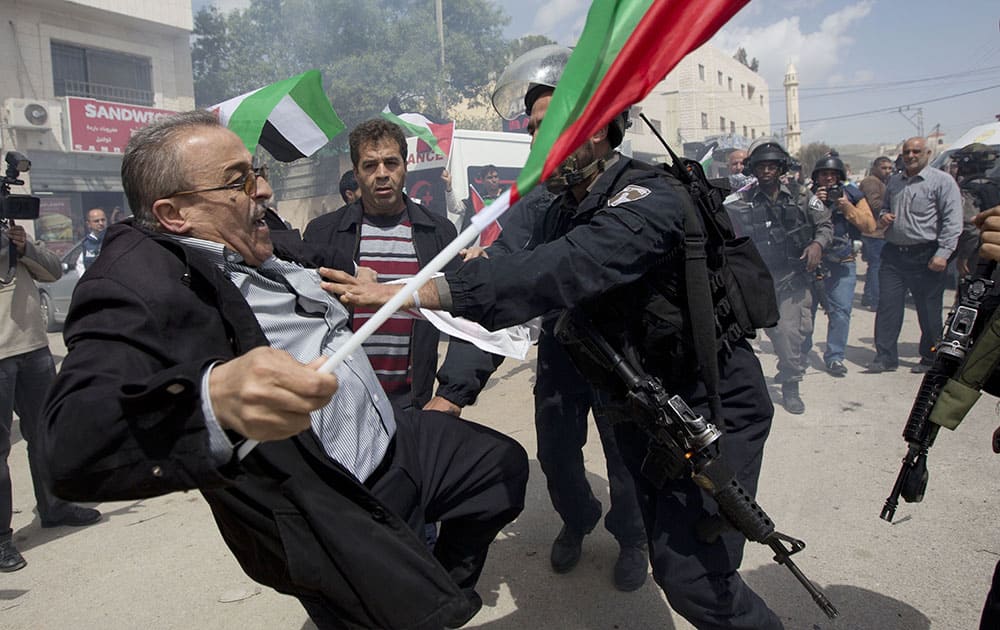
x: 851, y: 57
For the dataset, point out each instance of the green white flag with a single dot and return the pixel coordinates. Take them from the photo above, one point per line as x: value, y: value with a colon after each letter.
x: 437, y: 136
x: 292, y: 119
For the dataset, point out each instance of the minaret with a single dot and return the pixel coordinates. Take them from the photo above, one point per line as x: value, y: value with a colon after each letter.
x: 793, y: 137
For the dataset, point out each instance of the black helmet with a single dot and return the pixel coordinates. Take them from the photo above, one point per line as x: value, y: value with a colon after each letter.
x: 830, y: 162
x: 766, y: 149
x: 534, y: 74
x: 975, y: 158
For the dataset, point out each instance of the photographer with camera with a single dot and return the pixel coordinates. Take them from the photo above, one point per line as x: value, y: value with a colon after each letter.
x: 26, y: 366
x: 851, y: 218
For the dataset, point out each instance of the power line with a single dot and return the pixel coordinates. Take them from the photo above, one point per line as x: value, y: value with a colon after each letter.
x: 881, y: 84
x: 898, y: 107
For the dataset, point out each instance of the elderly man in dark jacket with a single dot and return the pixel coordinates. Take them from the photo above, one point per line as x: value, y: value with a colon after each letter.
x: 187, y: 337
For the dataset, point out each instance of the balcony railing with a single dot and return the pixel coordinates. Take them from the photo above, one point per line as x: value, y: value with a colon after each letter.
x: 103, y: 92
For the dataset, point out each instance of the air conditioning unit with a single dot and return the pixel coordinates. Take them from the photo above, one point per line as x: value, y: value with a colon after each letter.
x: 23, y: 113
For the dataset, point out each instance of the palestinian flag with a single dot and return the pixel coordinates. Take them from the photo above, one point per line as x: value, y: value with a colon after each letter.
x: 707, y: 160
x: 292, y: 119
x: 437, y: 136
x: 626, y: 48
x: 491, y: 232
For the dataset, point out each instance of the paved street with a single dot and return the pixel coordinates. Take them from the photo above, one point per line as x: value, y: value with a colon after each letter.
x: 160, y: 563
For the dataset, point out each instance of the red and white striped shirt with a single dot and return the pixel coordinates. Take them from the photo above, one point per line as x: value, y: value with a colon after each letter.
x: 387, y: 247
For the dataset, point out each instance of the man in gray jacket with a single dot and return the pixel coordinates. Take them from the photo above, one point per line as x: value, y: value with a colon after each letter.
x: 26, y: 372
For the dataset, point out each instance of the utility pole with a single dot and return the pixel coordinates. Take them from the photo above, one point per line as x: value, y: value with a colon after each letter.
x: 440, y: 24
x: 439, y: 11
x: 919, y: 124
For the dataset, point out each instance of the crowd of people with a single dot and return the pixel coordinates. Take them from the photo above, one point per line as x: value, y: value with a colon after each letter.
x: 198, y: 329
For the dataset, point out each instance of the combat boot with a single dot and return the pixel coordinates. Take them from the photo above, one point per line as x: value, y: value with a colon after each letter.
x: 791, y: 399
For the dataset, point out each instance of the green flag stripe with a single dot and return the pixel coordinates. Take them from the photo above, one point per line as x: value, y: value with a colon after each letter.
x: 248, y: 119
x: 309, y: 95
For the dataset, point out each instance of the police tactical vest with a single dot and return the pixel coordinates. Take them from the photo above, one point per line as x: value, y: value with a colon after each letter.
x: 780, y: 229
x: 654, y: 316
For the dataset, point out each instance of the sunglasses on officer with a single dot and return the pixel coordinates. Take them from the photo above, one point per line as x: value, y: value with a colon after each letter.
x: 247, y: 183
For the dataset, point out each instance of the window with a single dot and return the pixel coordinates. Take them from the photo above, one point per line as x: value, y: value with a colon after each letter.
x: 753, y: 133
x: 750, y: 91
x: 761, y: 100
x: 732, y: 127
x: 730, y: 80
x: 743, y: 89
x: 744, y: 131
x: 704, y: 120
x: 101, y: 74
x: 656, y: 124
x: 720, y: 78
x: 701, y: 72
x: 722, y: 124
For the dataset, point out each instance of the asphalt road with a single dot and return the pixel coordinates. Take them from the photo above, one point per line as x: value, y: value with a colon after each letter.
x: 160, y: 563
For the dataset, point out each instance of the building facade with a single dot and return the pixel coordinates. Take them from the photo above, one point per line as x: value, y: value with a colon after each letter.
x: 709, y: 97
x: 77, y: 78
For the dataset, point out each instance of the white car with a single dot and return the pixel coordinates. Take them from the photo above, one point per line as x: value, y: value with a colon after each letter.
x: 56, y: 296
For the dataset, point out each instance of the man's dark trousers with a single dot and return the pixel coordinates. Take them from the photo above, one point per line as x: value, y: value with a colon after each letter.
x: 469, y: 477
x: 562, y: 402
x: 905, y: 268
x: 24, y: 383
x: 700, y: 579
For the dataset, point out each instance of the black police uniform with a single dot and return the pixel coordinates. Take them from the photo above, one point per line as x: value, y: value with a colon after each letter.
x: 563, y: 400
x: 600, y: 256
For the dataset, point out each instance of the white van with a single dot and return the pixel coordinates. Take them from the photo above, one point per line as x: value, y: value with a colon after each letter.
x: 988, y: 134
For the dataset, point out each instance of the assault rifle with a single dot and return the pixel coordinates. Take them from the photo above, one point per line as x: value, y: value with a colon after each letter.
x: 684, y: 443
x: 949, y: 355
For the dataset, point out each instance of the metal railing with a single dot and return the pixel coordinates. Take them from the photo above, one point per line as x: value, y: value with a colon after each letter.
x: 103, y: 92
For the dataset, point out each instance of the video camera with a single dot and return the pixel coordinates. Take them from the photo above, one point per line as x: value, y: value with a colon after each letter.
x: 20, y: 207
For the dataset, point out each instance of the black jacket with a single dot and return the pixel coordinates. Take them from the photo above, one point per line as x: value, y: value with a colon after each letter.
x: 124, y: 421
x: 334, y: 240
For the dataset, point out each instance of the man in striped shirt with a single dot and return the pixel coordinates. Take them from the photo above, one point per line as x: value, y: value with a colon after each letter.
x: 393, y: 236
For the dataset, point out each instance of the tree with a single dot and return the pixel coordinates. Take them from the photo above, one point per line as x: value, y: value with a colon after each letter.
x: 741, y: 56
x: 368, y: 52
x: 521, y: 45
x: 810, y: 154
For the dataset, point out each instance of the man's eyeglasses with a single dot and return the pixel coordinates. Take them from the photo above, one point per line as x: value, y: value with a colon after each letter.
x: 248, y: 183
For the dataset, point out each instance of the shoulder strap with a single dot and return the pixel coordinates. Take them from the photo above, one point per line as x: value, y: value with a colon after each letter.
x: 701, y: 309
x: 700, y: 306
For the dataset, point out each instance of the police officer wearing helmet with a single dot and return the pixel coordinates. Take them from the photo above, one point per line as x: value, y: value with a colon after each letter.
x: 563, y: 398
x: 851, y: 217
x: 609, y: 245
x: 791, y: 228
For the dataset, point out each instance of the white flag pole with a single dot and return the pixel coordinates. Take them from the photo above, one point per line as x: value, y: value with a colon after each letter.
x: 486, y: 216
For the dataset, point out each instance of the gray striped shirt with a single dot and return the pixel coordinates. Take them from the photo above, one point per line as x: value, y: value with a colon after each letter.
x: 298, y: 316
